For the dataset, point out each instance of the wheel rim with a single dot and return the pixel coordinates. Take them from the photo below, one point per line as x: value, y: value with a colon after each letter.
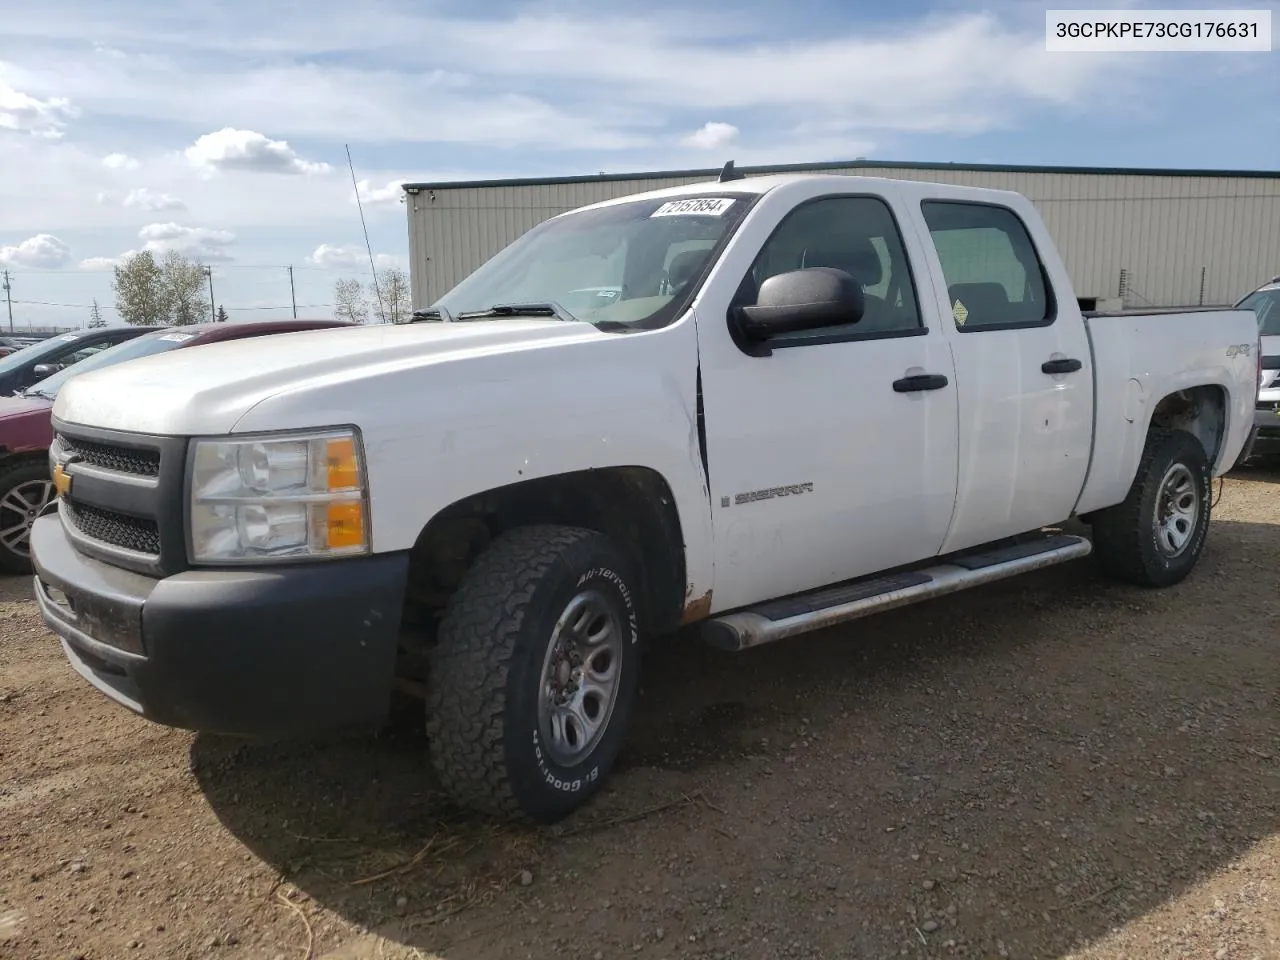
x: 1177, y: 510
x: 18, y: 511
x: 580, y: 672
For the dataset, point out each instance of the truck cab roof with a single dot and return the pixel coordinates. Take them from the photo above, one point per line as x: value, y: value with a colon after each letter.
x: 837, y: 183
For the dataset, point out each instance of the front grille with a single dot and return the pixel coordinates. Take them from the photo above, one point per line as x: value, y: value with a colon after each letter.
x: 125, y: 505
x: 142, y: 463
x: 117, y: 529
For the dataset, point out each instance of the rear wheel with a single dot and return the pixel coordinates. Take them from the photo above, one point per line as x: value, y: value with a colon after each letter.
x: 25, y: 490
x: 534, y: 673
x: 1156, y: 535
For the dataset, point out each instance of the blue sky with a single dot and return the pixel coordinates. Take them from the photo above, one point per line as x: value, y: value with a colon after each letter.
x: 217, y: 128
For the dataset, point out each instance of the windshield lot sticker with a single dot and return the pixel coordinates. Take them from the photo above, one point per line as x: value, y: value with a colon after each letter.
x: 177, y: 337
x: 960, y: 312
x: 702, y: 207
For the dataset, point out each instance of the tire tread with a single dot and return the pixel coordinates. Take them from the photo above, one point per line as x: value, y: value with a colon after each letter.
x: 467, y: 679
x: 1118, y: 531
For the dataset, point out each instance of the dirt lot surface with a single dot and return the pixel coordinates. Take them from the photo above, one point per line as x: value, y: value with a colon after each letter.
x: 1050, y: 767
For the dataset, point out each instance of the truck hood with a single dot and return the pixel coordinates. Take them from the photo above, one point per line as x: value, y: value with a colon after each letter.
x: 207, y: 389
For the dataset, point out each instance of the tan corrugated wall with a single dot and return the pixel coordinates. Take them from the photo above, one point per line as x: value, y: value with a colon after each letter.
x: 1163, y: 231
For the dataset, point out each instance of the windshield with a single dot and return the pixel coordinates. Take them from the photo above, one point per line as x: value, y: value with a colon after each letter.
x: 143, y: 346
x: 1266, y: 304
x: 632, y: 263
x: 34, y: 352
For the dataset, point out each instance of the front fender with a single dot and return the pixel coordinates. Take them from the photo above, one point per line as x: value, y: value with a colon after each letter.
x: 434, y: 436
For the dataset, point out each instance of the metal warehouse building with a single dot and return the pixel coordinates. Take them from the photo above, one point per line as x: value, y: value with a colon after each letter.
x: 1161, y: 238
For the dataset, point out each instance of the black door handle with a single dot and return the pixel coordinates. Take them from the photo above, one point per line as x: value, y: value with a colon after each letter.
x: 1061, y: 366
x: 921, y: 381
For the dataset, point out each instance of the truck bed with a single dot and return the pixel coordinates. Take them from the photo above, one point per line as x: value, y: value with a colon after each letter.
x: 1142, y: 356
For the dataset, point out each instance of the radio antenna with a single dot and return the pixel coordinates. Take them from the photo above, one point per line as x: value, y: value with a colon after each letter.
x: 382, y: 314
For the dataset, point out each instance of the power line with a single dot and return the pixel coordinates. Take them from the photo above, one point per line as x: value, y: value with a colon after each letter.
x: 109, y: 306
x: 73, y: 271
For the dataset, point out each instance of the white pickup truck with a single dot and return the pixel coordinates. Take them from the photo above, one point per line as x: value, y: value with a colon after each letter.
x: 763, y: 406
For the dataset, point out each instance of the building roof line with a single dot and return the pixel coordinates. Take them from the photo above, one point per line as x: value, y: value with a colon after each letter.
x: 713, y: 173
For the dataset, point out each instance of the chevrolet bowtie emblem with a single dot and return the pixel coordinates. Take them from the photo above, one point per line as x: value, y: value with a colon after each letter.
x: 61, y: 480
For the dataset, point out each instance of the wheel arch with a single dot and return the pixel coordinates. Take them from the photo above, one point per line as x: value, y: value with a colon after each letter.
x: 1200, y: 411
x: 633, y: 505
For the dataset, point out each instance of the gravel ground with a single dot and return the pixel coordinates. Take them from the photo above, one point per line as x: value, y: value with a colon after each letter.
x: 1050, y: 767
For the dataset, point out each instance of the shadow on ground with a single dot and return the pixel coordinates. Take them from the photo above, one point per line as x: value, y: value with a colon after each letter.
x: 1024, y: 766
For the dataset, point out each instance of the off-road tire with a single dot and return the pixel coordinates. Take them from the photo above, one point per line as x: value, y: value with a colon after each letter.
x: 1124, y: 536
x: 485, y: 673
x: 13, y: 476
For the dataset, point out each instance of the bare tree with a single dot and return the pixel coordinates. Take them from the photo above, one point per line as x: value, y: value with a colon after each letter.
x: 95, y: 316
x: 141, y: 297
x: 221, y: 316
x: 396, y: 298
x: 349, y: 302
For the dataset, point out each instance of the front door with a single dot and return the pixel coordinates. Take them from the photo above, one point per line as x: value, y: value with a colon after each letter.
x: 834, y: 455
x: 1024, y: 373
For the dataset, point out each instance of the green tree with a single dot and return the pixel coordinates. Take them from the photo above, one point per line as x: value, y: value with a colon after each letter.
x: 141, y: 296
x: 184, y: 282
x: 170, y: 292
x: 95, y: 316
x: 397, y: 301
x: 222, y: 314
x: 349, y: 302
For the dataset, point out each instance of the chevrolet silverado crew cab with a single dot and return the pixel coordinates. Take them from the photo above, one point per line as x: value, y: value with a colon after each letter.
x: 804, y: 399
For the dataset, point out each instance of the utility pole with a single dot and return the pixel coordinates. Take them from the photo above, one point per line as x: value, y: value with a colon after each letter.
x: 292, y: 294
x: 213, y: 308
x: 8, y: 298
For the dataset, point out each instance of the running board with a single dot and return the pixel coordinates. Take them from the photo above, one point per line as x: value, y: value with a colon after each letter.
x: 779, y: 619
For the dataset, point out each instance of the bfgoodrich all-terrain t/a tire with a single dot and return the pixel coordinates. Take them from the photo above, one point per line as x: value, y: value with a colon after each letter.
x: 534, y: 674
x: 1155, y: 537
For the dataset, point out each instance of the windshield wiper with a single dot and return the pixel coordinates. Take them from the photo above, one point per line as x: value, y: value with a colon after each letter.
x: 548, y: 308
x: 431, y: 313
x: 33, y: 392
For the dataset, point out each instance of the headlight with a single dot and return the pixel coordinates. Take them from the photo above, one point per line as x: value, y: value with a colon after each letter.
x: 277, y: 498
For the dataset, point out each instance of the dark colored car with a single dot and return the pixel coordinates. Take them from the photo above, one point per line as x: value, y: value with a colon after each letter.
x: 25, y: 420
x: 30, y: 364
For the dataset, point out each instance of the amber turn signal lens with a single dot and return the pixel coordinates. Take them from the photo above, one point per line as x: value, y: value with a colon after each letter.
x: 345, y: 524
x: 344, y: 470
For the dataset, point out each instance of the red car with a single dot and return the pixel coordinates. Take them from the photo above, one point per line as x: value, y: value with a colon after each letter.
x: 26, y: 430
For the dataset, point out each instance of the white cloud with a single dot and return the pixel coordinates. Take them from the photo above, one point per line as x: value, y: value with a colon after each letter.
x: 119, y: 161
x: 24, y: 113
x: 196, y: 243
x: 231, y: 149
x: 379, y: 196
x: 102, y: 263
x: 712, y: 135
x: 41, y: 252
x: 337, y: 257
x: 149, y: 200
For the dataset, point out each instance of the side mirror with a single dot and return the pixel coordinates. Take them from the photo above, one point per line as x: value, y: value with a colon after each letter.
x: 42, y: 370
x: 803, y: 300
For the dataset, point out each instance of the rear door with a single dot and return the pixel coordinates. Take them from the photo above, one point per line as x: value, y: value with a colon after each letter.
x: 1023, y: 369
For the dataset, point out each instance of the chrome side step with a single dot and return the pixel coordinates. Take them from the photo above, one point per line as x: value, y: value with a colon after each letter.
x: 779, y: 619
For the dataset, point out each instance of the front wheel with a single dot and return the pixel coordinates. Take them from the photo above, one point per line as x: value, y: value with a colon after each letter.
x: 1155, y: 536
x: 534, y: 674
